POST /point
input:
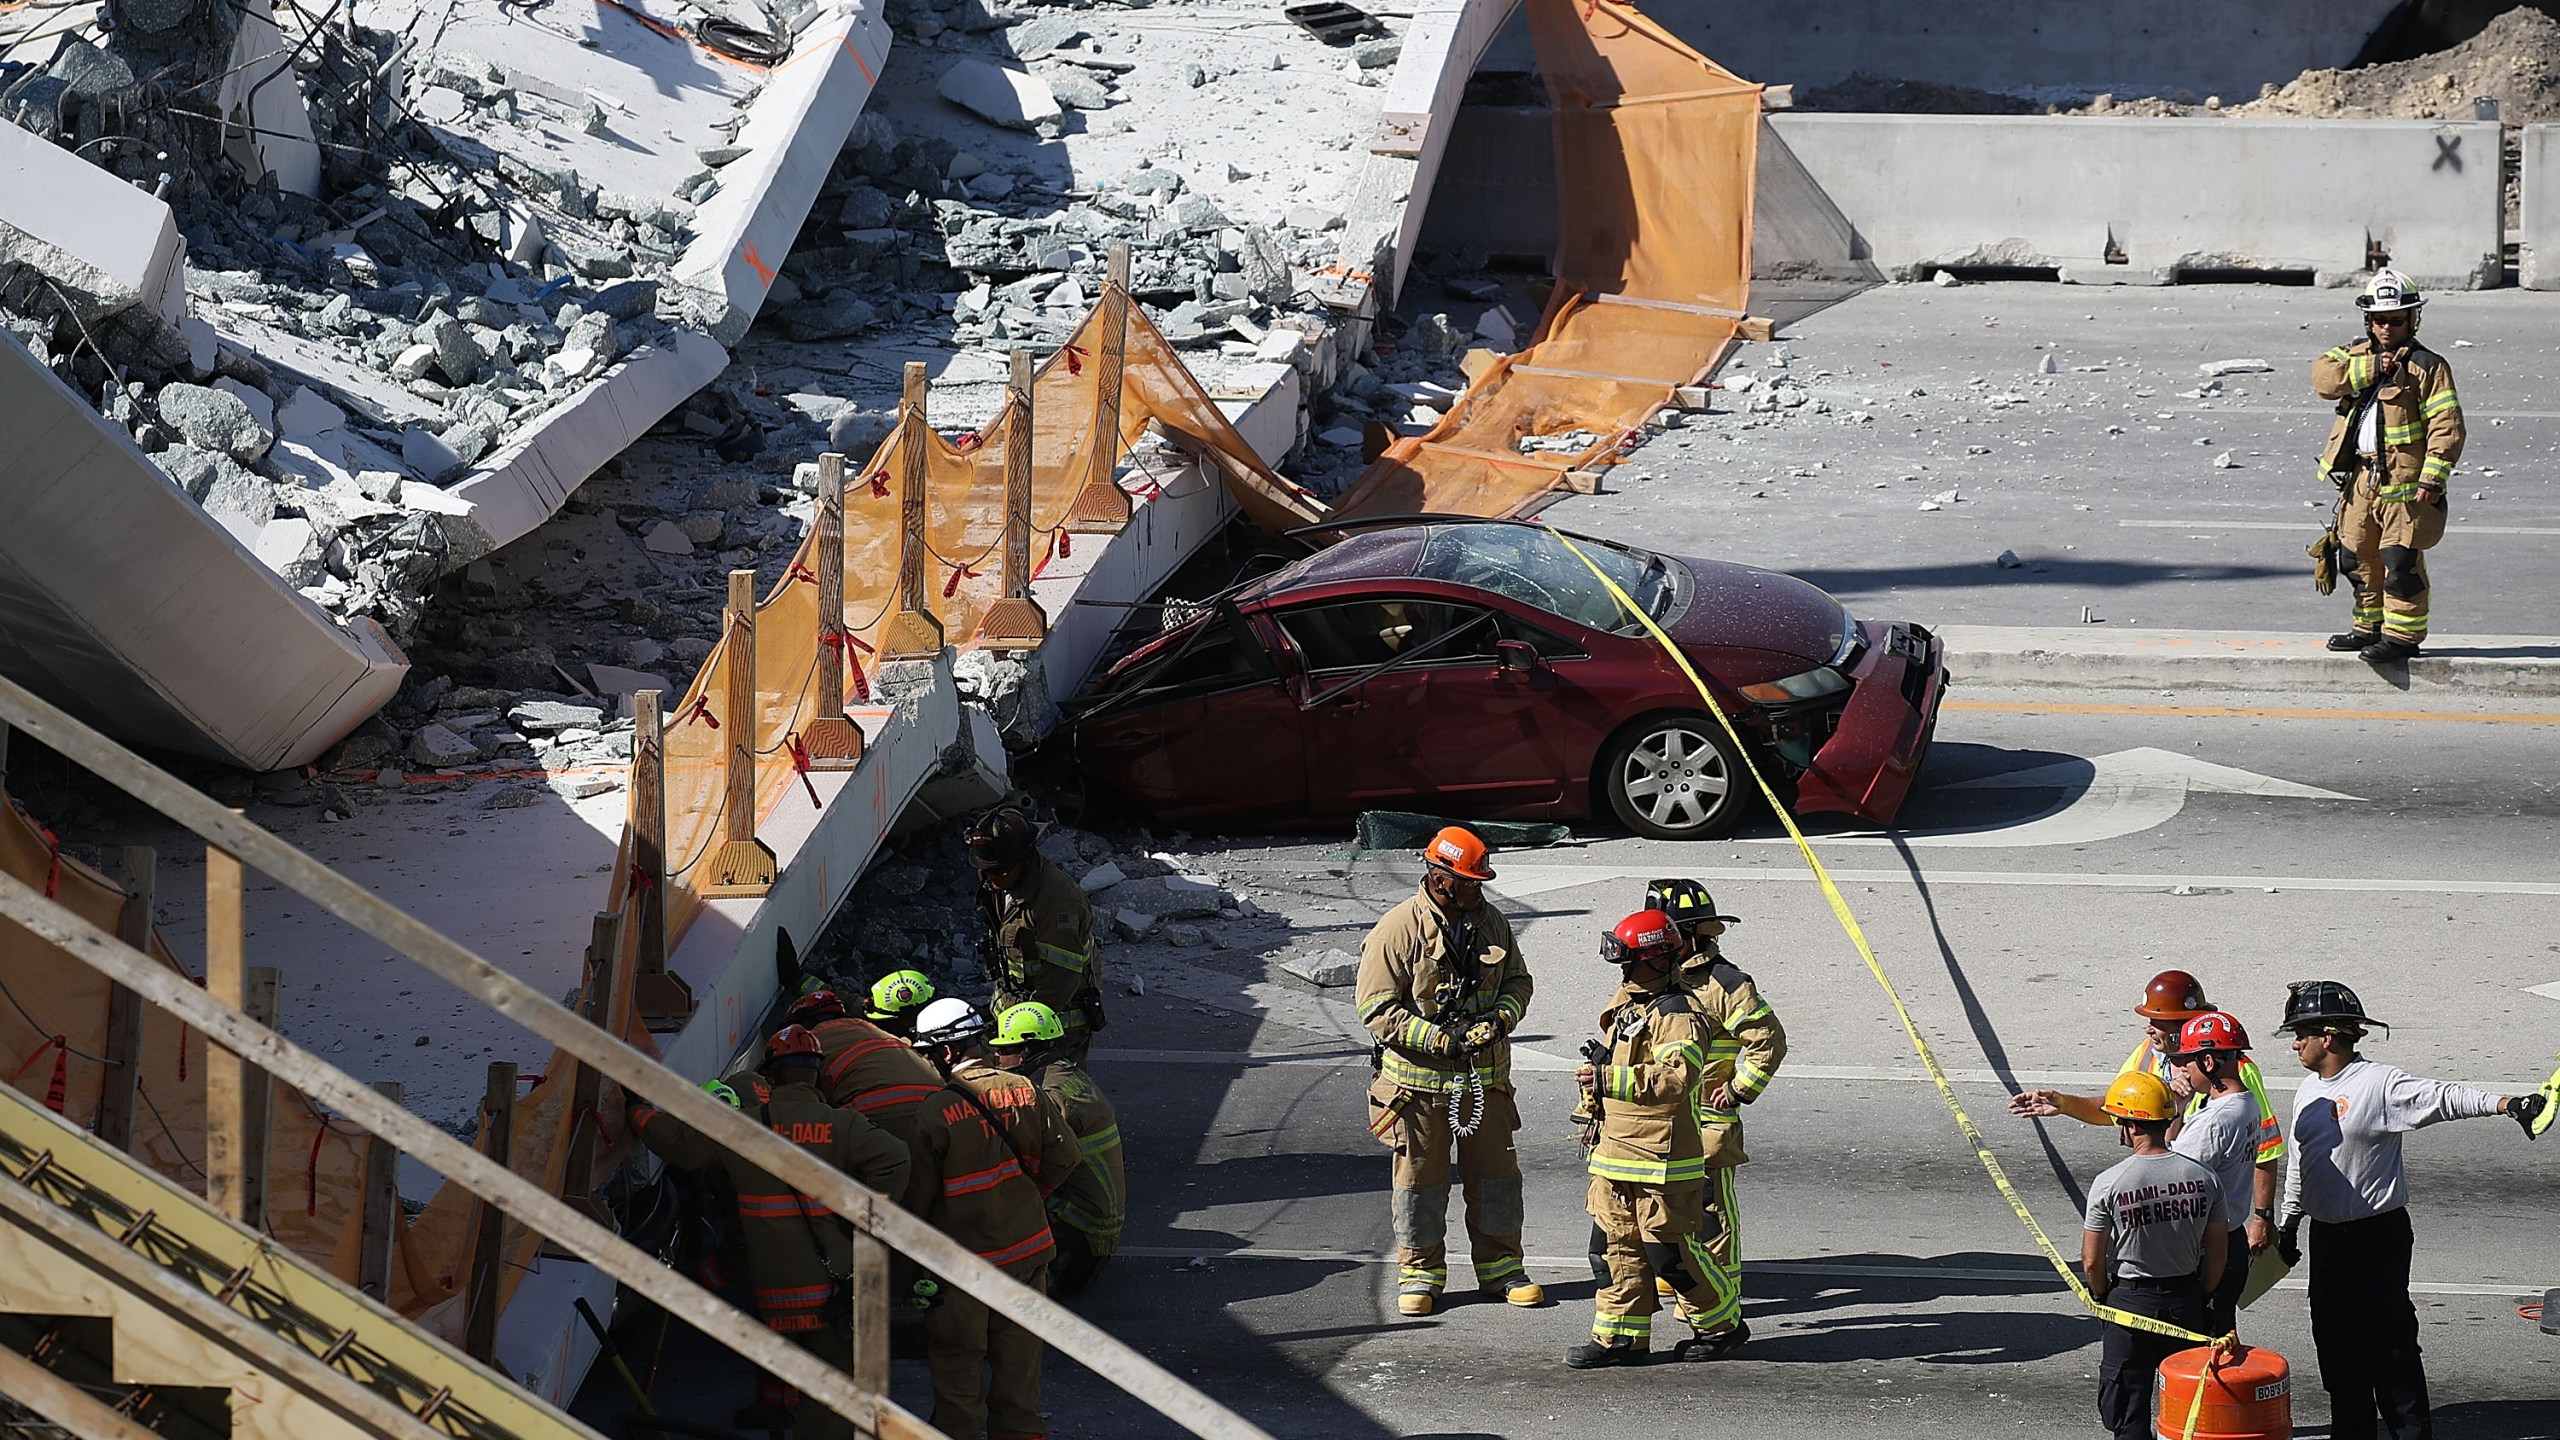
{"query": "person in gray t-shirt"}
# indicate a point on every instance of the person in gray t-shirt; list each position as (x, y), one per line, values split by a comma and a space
(2225, 1136)
(2153, 1243)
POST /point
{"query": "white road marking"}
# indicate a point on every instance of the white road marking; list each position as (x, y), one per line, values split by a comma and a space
(1524, 878)
(1578, 1264)
(2547, 992)
(2456, 528)
(2091, 1081)
(2106, 797)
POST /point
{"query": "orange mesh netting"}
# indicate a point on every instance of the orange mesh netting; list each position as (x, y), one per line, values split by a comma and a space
(1654, 148)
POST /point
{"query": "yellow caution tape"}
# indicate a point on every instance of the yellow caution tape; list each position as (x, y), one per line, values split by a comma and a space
(1858, 937)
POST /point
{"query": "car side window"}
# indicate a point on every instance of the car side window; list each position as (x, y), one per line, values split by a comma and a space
(1363, 634)
(1223, 656)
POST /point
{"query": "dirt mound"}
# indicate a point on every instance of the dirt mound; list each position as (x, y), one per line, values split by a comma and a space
(2515, 61)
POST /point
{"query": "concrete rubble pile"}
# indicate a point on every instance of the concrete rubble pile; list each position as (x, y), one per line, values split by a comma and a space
(916, 908)
(359, 333)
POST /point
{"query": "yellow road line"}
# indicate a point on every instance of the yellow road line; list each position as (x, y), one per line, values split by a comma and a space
(2241, 712)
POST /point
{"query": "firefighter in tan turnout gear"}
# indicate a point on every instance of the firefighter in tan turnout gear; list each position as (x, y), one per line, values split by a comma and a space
(864, 1067)
(2391, 454)
(1041, 926)
(1087, 1212)
(989, 1150)
(799, 1255)
(1648, 1165)
(1442, 985)
(1745, 1045)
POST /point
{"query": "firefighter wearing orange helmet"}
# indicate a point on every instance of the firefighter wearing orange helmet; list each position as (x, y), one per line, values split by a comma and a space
(1442, 985)
(2173, 998)
(2152, 1244)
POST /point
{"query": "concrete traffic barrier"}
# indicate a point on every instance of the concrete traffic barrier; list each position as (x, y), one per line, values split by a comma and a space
(2101, 200)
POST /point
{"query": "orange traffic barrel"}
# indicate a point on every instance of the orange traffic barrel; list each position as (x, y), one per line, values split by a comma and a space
(2248, 1396)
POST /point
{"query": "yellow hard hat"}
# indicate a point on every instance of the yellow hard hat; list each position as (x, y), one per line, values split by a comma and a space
(2137, 1096)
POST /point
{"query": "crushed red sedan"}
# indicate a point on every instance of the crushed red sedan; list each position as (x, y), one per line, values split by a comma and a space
(1477, 668)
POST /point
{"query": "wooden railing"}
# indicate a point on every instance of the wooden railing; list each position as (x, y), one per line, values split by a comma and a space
(858, 1393)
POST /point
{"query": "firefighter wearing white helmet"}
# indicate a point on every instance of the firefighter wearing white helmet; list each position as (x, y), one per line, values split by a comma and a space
(2391, 453)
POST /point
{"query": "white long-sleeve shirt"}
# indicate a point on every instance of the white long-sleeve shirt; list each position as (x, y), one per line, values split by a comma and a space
(2344, 1162)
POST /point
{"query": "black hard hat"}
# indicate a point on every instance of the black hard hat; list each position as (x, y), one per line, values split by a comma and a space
(2313, 1004)
(1001, 837)
(1686, 902)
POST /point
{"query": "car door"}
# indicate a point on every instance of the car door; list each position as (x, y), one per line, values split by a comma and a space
(1363, 702)
(1205, 731)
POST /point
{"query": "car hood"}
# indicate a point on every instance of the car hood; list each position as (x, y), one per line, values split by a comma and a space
(1742, 607)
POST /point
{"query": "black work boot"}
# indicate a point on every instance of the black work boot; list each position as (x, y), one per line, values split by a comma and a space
(1592, 1355)
(2387, 651)
(1714, 1346)
(2354, 639)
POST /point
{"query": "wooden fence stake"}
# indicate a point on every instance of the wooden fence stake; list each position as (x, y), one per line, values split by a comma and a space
(382, 1216)
(913, 633)
(488, 1246)
(121, 1087)
(1102, 507)
(227, 1182)
(661, 998)
(586, 1094)
(743, 868)
(1016, 621)
(832, 741)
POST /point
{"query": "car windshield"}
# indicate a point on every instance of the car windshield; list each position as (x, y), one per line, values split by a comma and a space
(1529, 564)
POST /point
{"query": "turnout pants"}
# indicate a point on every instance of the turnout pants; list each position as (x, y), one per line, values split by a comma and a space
(2386, 544)
(1720, 1237)
(2366, 1330)
(1640, 1233)
(832, 1343)
(2129, 1360)
(1415, 1126)
(986, 1369)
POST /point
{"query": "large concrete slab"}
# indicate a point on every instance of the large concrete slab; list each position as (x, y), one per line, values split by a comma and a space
(106, 243)
(2097, 657)
(124, 603)
(2136, 201)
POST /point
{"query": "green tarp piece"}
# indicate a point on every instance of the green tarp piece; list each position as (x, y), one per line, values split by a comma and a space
(1405, 830)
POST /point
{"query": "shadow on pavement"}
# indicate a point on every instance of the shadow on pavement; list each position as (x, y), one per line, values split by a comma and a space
(2046, 571)
(1777, 1291)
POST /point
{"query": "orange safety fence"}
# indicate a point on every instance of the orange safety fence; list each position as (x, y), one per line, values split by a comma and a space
(1654, 148)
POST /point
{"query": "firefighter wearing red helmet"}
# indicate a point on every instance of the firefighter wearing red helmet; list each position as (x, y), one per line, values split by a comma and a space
(2221, 1134)
(1442, 984)
(864, 1067)
(799, 1255)
(1648, 1165)
(1745, 1046)
(2173, 998)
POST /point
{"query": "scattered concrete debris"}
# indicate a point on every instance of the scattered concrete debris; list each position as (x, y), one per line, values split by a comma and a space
(1330, 969)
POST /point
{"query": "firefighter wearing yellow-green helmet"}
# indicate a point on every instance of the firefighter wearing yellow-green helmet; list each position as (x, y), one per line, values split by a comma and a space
(1087, 1212)
(895, 999)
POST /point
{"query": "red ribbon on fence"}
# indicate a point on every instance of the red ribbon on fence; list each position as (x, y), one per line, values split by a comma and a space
(1075, 358)
(959, 573)
(800, 763)
(880, 484)
(701, 711)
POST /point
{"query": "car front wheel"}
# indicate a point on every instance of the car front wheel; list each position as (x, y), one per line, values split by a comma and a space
(1677, 777)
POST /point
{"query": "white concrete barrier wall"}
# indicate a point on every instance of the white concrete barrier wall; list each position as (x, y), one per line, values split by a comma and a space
(1922, 193)
(2538, 210)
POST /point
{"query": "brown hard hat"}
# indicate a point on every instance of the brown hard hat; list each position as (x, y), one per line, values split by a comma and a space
(2173, 995)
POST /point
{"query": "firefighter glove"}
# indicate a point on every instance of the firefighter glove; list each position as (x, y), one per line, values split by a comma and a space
(2524, 1108)
(2324, 562)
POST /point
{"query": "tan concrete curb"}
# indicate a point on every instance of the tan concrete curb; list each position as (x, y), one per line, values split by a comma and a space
(2098, 658)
